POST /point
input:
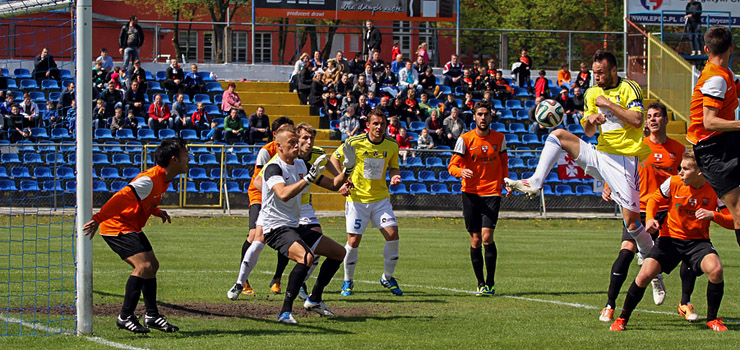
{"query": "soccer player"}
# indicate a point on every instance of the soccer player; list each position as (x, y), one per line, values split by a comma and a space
(663, 162)
(481, 160)
(369, 201)
(614, 109)
(284, 179)
(686, 240)
(713, 131)
(121, 221)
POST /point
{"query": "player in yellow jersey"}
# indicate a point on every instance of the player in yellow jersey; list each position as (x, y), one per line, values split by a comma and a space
(614, 109)
(369, 200)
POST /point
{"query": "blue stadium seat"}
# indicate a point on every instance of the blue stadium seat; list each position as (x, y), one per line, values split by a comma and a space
(130, 173)
(197, 98)
(532, 163)
(414, 162)
(25, 146)
(99, 186)
(51, 186)
(563, 190)
(70, 186)
(207, 159)
(100, 159)
(161, 75)
(54, 96)
(218, 99)
(109, 173)
(511, 139)
(417, 126)
(125, 134)
(116, 186)
(167, 134)
(529, 104)
(585, 190)
(497, 104)
(445, 176)
(435, 162)
(188, 135)
(17, 95)
(197, 174)
(334, 125)
(439, 189)
(506, 115)
(42, 172)
(592, 140)
(3, 172)
(407, 176)
(552, 177)
(12, 84)
(575, 129)
(154, 86)
(208, 187)
(190, 187)
(50, 85)
(21, 73)
(20, 172)
(232, 187)
(7, 185)
(521, 92)
(103, 134)
(499, 127)
(513, 105)
(446, 148)
(427, 176)
(215, 174)
(547, 190)
(446, 90)
(38, 97)
(516, 163)
(65, 74)
(149, 76)
(4, 72)
(522, 152)
(249, 159)
(240, 174)
(40, 133)
(29, 84)
(522, 114)
(189, 107)
(112, 147)
(397, 189)
(59, 134)
(418, 188)
(147, 135)
(529, 139)
(32, 158)
(65, 173)
(232, 159)
(30, 186)
(133, 147)
(214, 87)
(10, 158)
(206, 76)
(512, 175)
(213, 111)
(171, 188)
(517, 128)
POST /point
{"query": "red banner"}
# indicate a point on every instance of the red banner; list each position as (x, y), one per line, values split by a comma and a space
(569, 169)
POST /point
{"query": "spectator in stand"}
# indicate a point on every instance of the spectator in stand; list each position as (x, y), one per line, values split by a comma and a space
(5, 107)
(419, 66)
(70, 119)
(134, 100)
(383, 105)
(567, 103)
(394, 125)
(411, 111)
(453, 72)
(44, 67)
(454, 126)
(259, 126)
(342, 63)
(578, 105)
(348, 100)
(377, 65)
(373, 39)
(297, 68)
(428, 83)
(501, 87)
(423, 52)
(541, 86)
(65, 100)
(349, 124)
(361, 88)
(305, 79)
(98, 76)
(482, 82)
(449, 105)
(356, 66)
(524, 70)
(331, 105)
(318, 62)
(174, 76)
(468, 108)
(129, 41)
(15, 125)
(396, 109)
(564, 76)
(30, 111)
(468, 81)
(583, 80)
(50, 116)
(363, 109)
(343, 87)
(332, 73)
(404, 144)
(231, 100)
(534, 126)
(193, 82)
(491, 67)
(395, 51)
(121, 122)
(199, 118)
(181, 119)
(424, 106)
(99, 119)
(435, 127)
(233, 127)
(693, 26)
(408, 78)
(113, 99)
(116, 78)
(106, 60)
(215, 132)
(388, 80)
(315, 99)
(159, 115)
(397, 64)
(139, 75)
(475, 70)
(425, 141)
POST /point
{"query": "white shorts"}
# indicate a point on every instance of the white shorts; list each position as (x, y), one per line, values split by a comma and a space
(379, 213)
(619, 172)
(308, 215)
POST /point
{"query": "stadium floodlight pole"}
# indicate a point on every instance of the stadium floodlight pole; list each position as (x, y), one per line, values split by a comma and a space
(84, 165)
(625, 26)
(457, 30)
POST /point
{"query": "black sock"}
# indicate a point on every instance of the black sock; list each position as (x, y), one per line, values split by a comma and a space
(326, 273)
(491, 255)
(149, 292)
(295, 280)
(476, 256)
(715, 291)
(688, 279)
(131, 298)
(245, 246)
(737, 235)
(634, 295)
(618, 274)
(282, 263)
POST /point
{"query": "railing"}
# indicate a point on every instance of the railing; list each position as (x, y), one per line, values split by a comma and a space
(670, 78)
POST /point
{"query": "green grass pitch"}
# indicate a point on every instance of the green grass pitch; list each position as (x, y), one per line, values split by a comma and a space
(551, 284)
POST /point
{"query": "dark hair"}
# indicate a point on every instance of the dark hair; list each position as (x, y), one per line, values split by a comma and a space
(482, 104)
(280, 121)
(103, 50)
(601, 55)
(133, 17)
(232, 85)
(659, 106)
(542, 72)
(718, 39)
(376, 112)
(167, 149)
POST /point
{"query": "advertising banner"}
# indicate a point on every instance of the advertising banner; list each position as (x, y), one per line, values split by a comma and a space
(392, 10)
(648, 11)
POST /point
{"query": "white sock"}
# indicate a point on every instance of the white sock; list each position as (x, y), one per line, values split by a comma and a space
(313, 267)
(350, 262)
(642, 238)
(549, 156)
(250, 259)
(390, 258)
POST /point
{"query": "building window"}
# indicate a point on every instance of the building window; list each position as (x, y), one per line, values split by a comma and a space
(239, 46)
(208, 47)
(402, 34)
(262, 47)
(189, 45)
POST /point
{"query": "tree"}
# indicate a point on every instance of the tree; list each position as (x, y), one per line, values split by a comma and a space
(218, 11)
(176, 8)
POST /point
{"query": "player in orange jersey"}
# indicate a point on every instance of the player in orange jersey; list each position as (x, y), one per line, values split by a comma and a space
(121, 221)
(686, 240)
(713, 131)
(480, 158)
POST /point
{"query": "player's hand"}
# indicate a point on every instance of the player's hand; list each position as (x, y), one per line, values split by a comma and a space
(466, 173)
(90, 228)
(596, 119)
(703, 214)
(349, 161)
(653, 225)
(344, 190)
(164, 216)
(395, 180)
(318, 166)
(602, 101)
(606, 194)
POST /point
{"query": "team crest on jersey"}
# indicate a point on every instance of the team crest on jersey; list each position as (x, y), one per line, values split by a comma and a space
(657, 156)
(673, 155)
(484, 149)
(692, 201)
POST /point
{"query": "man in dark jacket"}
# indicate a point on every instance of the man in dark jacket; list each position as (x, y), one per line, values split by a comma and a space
(693, 26)
(174, 77)
(259, 126)
(372, 40)
(44, 67)
(129, 42)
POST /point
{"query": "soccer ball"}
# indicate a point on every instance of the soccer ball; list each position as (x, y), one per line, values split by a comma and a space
(549, 113)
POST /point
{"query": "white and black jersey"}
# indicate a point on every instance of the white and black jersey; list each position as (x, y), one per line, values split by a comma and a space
(275, 212)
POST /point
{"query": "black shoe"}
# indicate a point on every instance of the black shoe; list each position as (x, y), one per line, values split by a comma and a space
(131, 324)
(160, 323)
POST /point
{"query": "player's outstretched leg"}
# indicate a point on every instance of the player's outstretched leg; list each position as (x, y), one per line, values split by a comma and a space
(619, 271)
(250, 260)
(688, 280)
(559, 140)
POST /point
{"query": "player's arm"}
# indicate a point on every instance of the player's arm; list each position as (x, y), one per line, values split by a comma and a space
(504, 156)
(630, 116)
(591, 116)
(713, 122)
(720, 216)
(714, 90)
(334, 183)
(394, 170)
(456, 167)
(275, 181)
(125, 198)
(660, 197)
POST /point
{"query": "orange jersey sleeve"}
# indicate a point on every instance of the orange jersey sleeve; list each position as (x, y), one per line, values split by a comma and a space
(663, 162)
(263, 156)
(484, 156)
(717, 88)
(724, 219)
(685, 201)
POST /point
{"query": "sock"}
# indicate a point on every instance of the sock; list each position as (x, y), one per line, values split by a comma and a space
(149, 292)
(390, 258)
(350, 262)
(634, 295)
(549, 156)
(316, 261)
(294, 284)
(249, 261)
(476, 257)
(491, 255)
(619, 273)
(715, 291)
(688, 279)
(642, 239)
(131, 298)
(282, 263)
(326, 273)
(245, 247)
(737, 235)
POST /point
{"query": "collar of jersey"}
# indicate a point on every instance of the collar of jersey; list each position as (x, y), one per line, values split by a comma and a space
(619, 81)
(371, 141)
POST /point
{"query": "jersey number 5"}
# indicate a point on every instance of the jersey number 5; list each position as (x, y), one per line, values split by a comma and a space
(358, 224)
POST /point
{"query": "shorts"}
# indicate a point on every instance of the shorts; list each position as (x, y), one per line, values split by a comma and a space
(308, 215)
(660, 216)
(619, 172)
(379, 213)
(128, 244)
(480, 212)
(670, 251)
(254, 213)
(719, 160)
(283, 237)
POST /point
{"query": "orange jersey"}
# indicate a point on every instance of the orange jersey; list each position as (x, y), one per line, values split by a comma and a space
(663, 162)
(486, 156)
(717, 87)
(265, 154)
(130, 208)
(563, 77)
(684, 201)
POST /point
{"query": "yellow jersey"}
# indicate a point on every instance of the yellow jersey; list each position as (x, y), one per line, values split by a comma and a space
(615, 136)
(373, 160)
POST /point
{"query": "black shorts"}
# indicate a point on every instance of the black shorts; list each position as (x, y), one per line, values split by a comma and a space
(128, 244)
(480, 212)
(660, 216)
(719, 160)
(311, 226)
(254, 214)
(283, 237)
(670, 251)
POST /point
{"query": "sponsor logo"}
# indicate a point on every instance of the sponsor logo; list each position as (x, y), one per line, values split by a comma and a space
(692, 201)
(677, 197)
(484, 149)
(635, 103)
(651, 5)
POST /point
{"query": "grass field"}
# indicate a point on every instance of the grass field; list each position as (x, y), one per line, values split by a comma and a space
(551, 284)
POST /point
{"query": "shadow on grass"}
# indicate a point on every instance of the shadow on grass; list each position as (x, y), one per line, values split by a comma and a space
(530, 294)
(380, 318)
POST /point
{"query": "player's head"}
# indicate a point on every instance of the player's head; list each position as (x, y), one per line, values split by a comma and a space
(306, 137)
(277, 123)
(690, 173)
(172, 154)
(287, 142)
(605, 68)
(718, 41)
(657, 118)
(376, 125)
(482, 115)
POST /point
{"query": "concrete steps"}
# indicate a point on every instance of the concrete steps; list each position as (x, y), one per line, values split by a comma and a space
(278, 109)
(269, 98)
(254, 86)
